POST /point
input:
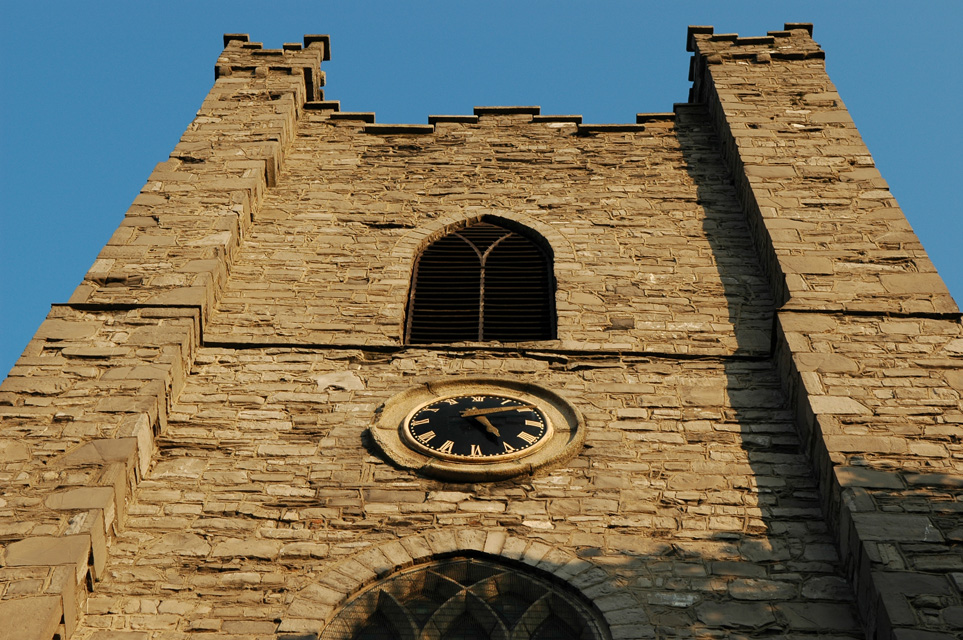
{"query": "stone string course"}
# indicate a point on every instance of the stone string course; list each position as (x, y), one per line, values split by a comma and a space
(769, 367)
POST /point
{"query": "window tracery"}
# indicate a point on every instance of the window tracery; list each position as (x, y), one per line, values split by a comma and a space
(483, 282)
(462, 598)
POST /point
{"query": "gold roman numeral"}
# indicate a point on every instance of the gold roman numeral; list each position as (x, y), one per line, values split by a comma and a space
(451, 401)
(415, 423)
(508, 448)
(478, 398)
(426, 436)
(475, 450)
(532, 423)
(527, 437)
(446, 448)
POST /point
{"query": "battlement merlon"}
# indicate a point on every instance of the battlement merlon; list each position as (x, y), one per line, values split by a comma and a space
(794, 42)
(240, 55)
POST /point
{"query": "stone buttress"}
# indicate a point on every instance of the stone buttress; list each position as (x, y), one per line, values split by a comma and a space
(868, 338)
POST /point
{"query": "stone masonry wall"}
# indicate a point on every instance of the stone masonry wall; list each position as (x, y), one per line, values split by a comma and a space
(831, 232)
(79, 412)
(690, 509)
(650, 245)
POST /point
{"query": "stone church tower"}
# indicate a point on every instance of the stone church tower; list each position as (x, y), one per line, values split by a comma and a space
(502, 375)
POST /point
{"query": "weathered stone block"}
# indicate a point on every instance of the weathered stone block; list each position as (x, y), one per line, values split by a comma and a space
(922, 634)
(50, 551)
(35, 618)
(345, 380)
(63, 582)
(181, 544)
(807, 265)
(13, 451)
(914, 283)
(839, 405)
(735, 615)
(35, 385)
(265, 549)
(864, 477)
(896, 527)
(183, 297)
(945, 480)
(825, 363)
(878, 444)
(821, 617)
(83, 498)
(58, 329)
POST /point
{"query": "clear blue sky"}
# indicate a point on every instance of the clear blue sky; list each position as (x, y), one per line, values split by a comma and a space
(93, 95)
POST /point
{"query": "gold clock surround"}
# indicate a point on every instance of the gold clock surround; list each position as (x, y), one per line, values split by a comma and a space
(566, 431)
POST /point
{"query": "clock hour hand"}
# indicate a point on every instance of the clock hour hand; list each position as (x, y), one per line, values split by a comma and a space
(471, 413)
(489, 427)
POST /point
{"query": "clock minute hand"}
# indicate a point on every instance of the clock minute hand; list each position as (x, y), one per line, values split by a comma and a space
(468, 413)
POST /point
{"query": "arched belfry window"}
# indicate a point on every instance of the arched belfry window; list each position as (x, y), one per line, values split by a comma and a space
(466, 598)
(482, 282)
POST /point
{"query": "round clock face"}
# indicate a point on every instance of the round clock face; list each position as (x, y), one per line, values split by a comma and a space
(477, 428)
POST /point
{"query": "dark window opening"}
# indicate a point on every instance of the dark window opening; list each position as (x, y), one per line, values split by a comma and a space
(466, 599)
(483, 282)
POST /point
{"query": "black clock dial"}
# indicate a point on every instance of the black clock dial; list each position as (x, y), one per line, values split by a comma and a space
(477, 428)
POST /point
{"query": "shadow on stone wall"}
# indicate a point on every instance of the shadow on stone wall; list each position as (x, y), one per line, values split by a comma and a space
(791, 562)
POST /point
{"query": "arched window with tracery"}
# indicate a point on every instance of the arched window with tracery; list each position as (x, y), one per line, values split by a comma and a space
(467, 598)
(483, 282)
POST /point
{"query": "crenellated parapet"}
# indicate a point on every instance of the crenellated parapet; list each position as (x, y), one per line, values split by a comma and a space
(244, 57)
(793, 43)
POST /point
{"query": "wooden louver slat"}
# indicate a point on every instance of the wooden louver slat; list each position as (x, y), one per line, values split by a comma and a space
(483, 282)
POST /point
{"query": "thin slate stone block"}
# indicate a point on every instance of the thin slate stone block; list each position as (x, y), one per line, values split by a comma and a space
(896, 527)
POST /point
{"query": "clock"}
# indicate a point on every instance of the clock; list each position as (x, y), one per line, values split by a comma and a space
(477, 429)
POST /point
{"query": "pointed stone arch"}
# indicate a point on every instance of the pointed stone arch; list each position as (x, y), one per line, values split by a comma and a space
(316, 605)
(396, 277)
(489, 281)
(412, 243)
